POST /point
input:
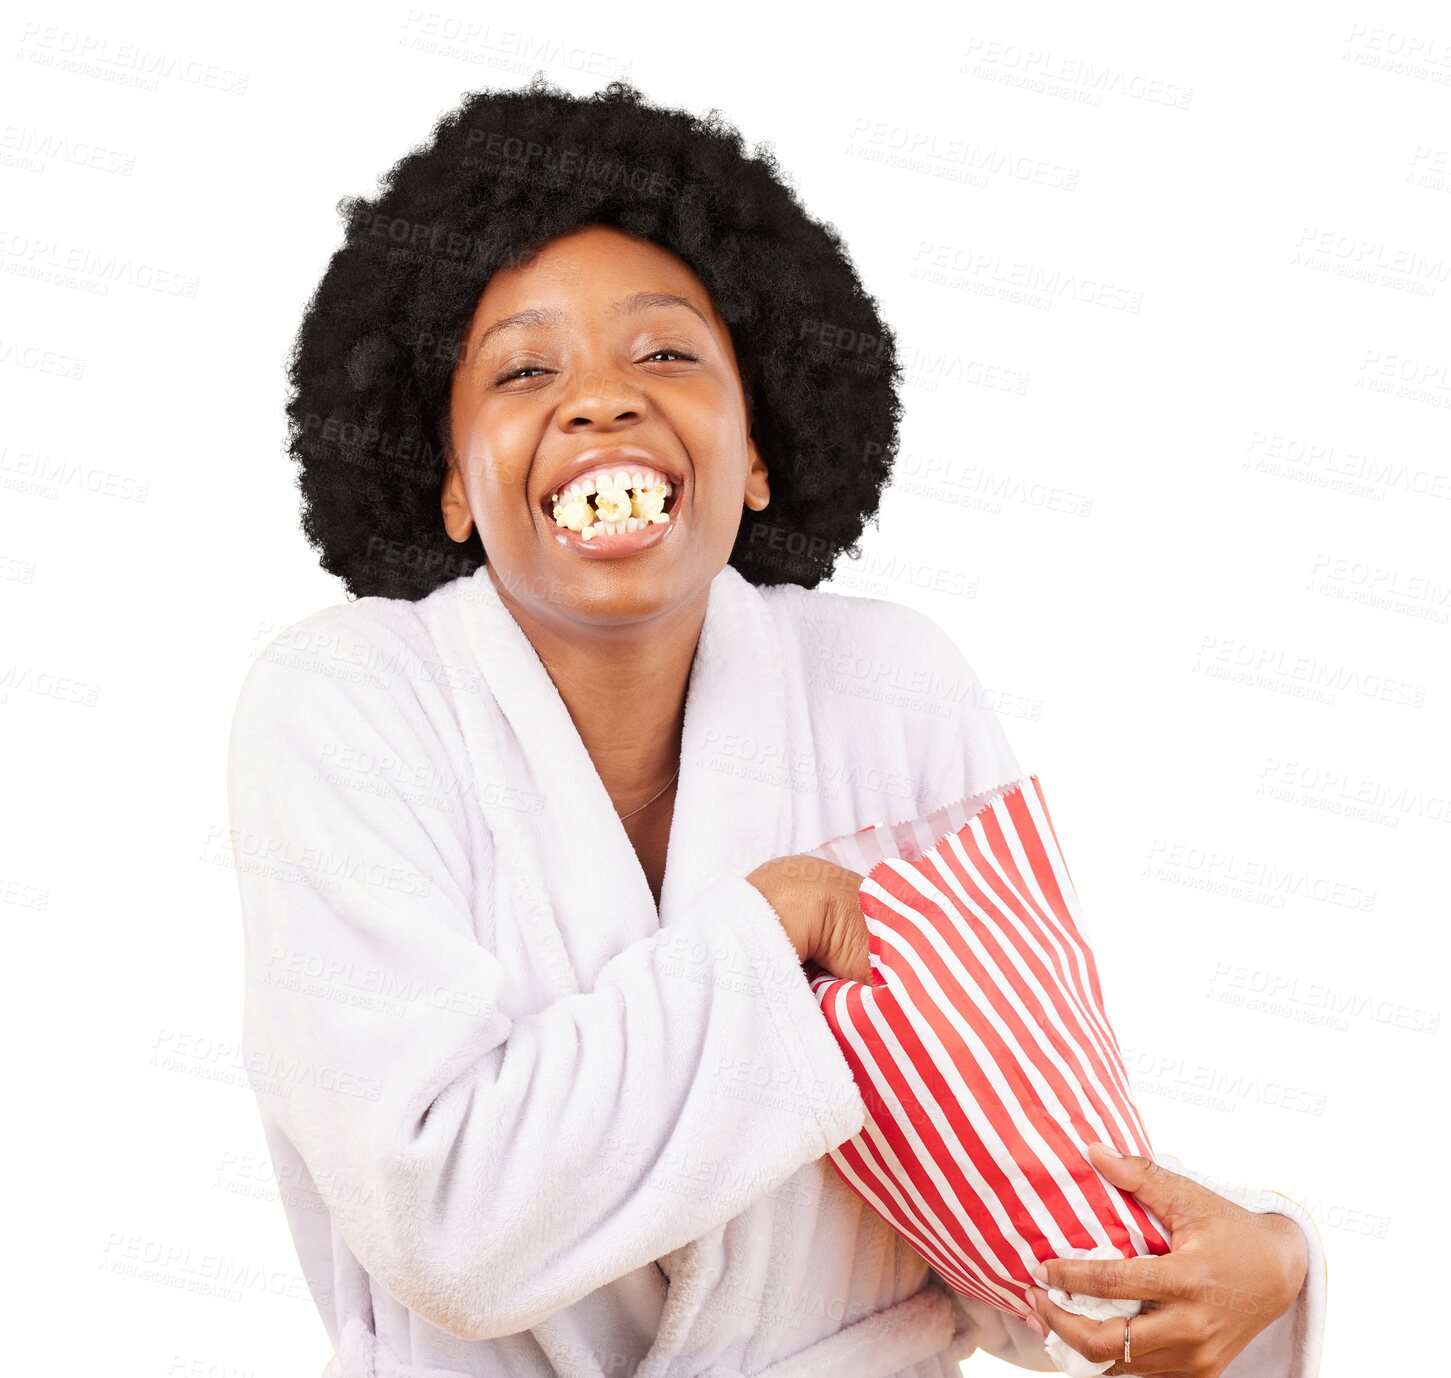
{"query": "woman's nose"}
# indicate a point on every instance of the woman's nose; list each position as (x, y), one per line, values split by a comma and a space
(600, 397)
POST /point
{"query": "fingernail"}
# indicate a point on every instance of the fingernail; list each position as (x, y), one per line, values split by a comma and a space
(1110, 1150)
(1038, 1326)
(1040, 1275)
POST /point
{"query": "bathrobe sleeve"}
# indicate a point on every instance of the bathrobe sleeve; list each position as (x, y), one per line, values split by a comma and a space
(490, 1168)
(976, 756)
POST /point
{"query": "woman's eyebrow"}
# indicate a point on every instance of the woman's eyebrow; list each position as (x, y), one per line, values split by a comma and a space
(650, 301)
(542, 315)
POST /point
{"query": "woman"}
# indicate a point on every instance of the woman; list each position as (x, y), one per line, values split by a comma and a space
(585, 407)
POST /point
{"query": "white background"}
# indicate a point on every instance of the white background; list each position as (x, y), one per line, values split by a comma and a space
(1200, 559)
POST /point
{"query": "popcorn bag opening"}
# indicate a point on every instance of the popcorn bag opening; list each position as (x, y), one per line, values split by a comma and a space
(984, 1054)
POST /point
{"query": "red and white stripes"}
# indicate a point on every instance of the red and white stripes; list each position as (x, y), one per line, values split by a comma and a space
(982, 1049)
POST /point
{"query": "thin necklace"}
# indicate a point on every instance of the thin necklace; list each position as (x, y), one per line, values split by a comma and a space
(652, 798)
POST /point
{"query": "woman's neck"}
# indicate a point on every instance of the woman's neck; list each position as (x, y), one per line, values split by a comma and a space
(624, 687)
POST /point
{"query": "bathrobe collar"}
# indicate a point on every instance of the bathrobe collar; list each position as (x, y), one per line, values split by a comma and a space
(731, 811)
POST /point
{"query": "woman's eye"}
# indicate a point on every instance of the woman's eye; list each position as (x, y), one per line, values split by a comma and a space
(518, 373)
(528, 369)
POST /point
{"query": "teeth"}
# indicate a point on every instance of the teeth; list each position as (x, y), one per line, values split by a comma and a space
(616, 478)
(624, 500)
(614, 528)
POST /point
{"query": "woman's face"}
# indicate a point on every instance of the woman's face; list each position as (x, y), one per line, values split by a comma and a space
(602, 356)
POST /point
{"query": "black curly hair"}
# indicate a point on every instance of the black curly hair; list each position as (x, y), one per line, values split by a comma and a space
(504, 174)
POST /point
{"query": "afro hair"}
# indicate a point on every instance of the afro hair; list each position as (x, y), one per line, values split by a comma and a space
(509, 170)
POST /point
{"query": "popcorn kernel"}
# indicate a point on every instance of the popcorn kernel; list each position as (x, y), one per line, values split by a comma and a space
(644, 503)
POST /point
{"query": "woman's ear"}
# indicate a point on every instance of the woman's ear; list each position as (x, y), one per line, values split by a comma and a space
(758, 482)
(458, 521)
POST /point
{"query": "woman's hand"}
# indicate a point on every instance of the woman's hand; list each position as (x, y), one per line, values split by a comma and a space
(1230, 1273)
(816, 902)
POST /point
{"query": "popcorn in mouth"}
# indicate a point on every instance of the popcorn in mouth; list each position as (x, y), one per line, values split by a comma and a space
(611, 502)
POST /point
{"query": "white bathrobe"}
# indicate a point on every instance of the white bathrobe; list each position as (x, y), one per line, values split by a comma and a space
(523, 1123)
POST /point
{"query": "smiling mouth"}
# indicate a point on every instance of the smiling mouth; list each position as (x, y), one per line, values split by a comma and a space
(607, 507)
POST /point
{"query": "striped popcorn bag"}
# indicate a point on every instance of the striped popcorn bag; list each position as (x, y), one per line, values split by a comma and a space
(985, 1056)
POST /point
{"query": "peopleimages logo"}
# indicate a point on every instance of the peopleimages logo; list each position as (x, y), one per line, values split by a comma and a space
(1272, 667)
